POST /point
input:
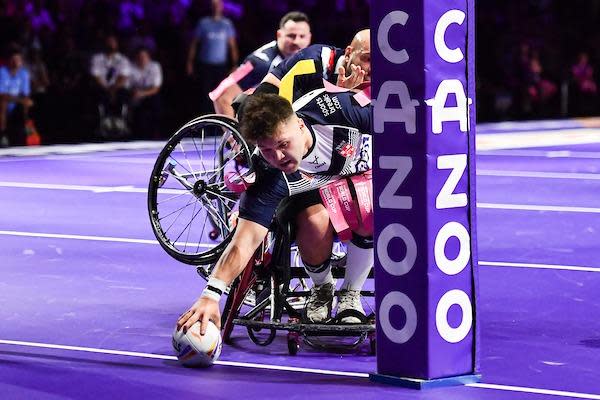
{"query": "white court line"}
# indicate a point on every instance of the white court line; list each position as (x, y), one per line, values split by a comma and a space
(550, 392)
(562, 137)
(173, 358)
(53, 186)
(106, 159)
(533, 207)
(534, 174)
(291, 369)
(80, 148)
(131, 189)
(538, 266)
(95, 238)
(541, 153)
(89, 188)
(205, 245)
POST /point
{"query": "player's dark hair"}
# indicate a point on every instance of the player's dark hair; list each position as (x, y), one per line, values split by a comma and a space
(262, 115)
(295, 16)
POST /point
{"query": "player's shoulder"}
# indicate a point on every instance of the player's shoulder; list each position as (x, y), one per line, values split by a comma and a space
(322, 106)
(265, 53)
(316, 51)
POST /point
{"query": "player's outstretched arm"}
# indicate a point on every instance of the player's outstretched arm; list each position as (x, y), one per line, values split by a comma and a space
(222, 103)
(247, 237)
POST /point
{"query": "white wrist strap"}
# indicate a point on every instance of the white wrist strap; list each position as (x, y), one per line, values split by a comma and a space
(214, 289)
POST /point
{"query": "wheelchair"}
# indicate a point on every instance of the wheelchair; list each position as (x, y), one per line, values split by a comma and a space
(192, 212)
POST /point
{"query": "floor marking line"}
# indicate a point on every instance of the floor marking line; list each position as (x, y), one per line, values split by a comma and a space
(129, 189)
(206, 245)
(536, 174)
(289, 369)
(538, 266)
(550, 392)
(95, 238)
(541, 153)
(97, 189)
(173, 358)
(533, 207)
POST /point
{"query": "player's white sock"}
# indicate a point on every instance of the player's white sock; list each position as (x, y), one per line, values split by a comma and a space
(359, 262)
(320, 274)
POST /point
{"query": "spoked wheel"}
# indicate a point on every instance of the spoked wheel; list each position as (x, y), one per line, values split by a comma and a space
(188, 201)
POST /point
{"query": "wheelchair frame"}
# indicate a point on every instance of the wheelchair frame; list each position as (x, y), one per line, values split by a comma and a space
(268, 274)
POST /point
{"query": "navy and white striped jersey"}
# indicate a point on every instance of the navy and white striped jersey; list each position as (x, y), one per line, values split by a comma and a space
(341, 130)
(326, 61)
(263, 59)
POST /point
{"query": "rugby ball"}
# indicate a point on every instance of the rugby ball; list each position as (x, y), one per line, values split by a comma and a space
(195, 350)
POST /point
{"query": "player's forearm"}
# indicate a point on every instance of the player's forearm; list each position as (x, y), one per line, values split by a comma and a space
(232, 262)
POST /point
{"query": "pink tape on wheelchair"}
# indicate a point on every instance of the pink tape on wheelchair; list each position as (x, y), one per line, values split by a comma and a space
(363, 186)
(233, 177)
(344, 212)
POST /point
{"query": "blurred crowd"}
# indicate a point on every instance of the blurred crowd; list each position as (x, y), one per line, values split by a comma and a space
(537, 59)
(112, 69)
(82, 70)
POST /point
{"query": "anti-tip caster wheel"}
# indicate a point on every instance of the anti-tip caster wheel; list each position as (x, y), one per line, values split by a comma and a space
(213, 235)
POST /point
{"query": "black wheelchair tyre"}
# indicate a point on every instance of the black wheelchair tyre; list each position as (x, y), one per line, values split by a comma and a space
(197, 196)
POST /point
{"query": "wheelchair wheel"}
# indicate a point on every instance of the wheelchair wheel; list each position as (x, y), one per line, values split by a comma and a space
(188, 202)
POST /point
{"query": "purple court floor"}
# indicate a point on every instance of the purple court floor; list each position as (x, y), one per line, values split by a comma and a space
(88, 299)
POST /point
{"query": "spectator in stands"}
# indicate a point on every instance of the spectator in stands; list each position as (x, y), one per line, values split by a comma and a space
(15, 100)
(145, 80)
(541, 91)
(212, 52)
(110, 70)
(292, 36)
(584, 93)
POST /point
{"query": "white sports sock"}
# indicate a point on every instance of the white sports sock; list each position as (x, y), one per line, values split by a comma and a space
(318, 278)
(359, 262)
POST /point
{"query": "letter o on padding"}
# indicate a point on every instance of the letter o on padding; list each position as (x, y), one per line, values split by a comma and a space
(396, 268)
(448, 333)
(452, 267)
(410, 326)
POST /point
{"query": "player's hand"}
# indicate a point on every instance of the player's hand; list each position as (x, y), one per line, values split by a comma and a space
(356, 77)
(203, 310)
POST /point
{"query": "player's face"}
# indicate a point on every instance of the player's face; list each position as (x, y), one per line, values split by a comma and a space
(293, 37)
(15, 61)
(362, 58)
(285, 149)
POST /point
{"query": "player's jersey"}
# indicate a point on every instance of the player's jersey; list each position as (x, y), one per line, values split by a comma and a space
(252, 71)
(263, 60)
(310, 66)
(341, 147)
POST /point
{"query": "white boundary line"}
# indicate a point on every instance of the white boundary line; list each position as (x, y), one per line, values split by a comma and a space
(95, 189)
(206, 245)
(81, 148)
(521, 389)
(131, 189)
(95, 238)
(536, 174)
(533, 207)
(541, 153)
(173, 358)
(538, 266)
(560, 393)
